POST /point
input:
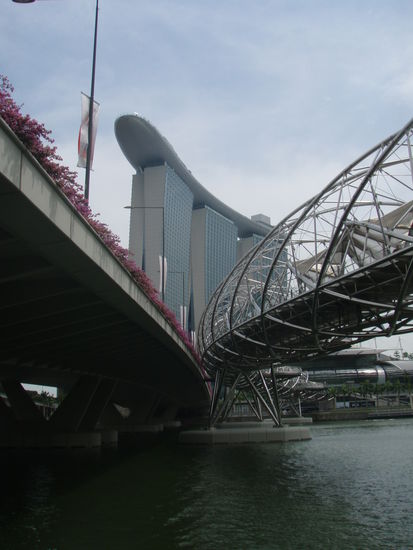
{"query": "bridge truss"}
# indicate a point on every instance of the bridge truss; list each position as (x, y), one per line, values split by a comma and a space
(338, 270)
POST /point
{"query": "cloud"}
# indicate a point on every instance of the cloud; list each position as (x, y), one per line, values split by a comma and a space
(264, 102)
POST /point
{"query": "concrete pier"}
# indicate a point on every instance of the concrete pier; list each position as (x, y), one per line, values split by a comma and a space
(242, 434)
(268, 422)
(297, 421)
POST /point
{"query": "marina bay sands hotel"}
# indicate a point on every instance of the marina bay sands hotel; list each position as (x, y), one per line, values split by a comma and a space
(175, 218)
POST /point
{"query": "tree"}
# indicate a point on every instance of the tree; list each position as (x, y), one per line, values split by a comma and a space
(345, 391)
(387, 387)
(364, 387)
(332, 393)
(378, 389)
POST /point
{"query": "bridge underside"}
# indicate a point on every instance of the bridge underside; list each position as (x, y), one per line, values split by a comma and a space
(70, 312)
(350, 309)
(54, 328)
(337, 271)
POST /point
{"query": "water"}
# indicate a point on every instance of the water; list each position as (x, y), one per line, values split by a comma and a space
(350, 487)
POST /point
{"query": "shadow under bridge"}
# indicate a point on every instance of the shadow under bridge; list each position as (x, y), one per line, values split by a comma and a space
(73, 317)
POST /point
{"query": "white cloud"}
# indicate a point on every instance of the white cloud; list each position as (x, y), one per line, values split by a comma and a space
(273, 97)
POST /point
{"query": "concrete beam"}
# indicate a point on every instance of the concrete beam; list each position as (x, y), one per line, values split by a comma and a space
(144, 409)
(7, 419)
(239, 434)
(98, 404)
(21, 403)
(73, 409)
(151, 355)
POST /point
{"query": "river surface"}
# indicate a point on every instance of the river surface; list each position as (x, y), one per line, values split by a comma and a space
(350, 487)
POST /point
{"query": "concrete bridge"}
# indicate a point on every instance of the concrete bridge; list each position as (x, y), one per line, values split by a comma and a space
(73, 317)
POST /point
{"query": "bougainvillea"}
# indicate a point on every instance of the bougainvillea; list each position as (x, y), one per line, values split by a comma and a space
(37, 139)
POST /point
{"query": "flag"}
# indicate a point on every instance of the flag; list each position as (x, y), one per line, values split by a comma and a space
(84, 129)
(161, 269)
(182, 313)
(191, 313)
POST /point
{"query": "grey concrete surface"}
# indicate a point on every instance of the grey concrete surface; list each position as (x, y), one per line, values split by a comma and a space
(231, 436)
(72, 308)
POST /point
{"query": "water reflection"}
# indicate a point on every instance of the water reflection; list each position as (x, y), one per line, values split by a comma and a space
(351, 486)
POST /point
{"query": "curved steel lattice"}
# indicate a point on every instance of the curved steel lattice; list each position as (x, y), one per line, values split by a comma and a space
(336, 271)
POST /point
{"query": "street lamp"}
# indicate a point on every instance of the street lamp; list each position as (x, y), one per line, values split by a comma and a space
(163, 240)
(91, 99)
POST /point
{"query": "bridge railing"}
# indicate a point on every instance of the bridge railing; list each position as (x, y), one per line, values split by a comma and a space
(27, 137)
(313, 284)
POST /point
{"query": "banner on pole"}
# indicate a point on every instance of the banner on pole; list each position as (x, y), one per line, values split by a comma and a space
(163, 269)
(84, 130)
(182, 313)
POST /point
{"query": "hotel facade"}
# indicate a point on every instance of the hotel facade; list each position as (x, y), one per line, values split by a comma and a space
(184, 238)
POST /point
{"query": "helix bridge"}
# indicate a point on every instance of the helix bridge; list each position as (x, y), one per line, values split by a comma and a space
(335, 272)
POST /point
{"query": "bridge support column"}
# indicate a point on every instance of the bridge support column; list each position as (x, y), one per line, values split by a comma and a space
(222, 412)
(255, 407)
(73, 424)
(82, 409)
(142, 418)
(265, 398)
(166, 414)
(263, 389)
(264, 394)
(92, 418)
(70, 413)
(216, 392)
(7, 419)
(24, 410)
(144, 409)
(97, 405)
(111, 417)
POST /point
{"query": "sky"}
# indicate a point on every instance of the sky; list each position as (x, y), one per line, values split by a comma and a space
(265, 101)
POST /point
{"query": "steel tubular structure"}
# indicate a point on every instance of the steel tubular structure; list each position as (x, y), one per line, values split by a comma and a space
(338, 270)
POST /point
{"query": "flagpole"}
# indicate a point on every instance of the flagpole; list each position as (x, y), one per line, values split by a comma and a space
(91, 102)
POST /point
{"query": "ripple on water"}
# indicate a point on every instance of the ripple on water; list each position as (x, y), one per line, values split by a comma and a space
(351, 486)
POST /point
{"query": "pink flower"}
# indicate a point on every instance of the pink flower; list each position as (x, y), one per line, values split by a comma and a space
(39, 142)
